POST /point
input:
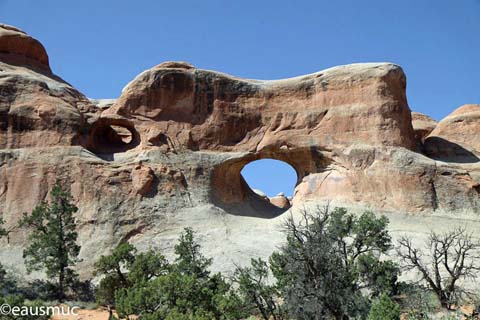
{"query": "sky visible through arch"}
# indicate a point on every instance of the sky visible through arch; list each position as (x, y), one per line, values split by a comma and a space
(270, 176)
(99, 46)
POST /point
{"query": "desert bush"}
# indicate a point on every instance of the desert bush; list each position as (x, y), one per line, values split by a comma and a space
(384, 308)
(148, 286)
(113, 269)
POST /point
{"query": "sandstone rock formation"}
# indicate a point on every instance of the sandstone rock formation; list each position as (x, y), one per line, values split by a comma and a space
(18, 48)
(280, 201)
(455, 138)
(423, 125)
(169, 151)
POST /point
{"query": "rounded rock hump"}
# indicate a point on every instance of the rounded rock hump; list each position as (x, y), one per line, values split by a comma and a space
(455, 138)
(175, 65)
(18, 48)
(359, 104)
(38, 108)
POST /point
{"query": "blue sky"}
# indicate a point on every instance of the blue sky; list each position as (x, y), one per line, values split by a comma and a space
(99, 46)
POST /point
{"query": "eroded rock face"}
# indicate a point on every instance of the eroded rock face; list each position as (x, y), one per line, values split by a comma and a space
(17, 47)
(37, 108)
(423, 125)
(169, 151)
(204, 110)
(456, 138)
(280, 201)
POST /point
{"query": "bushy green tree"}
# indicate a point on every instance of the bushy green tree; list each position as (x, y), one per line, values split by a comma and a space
(255, 290)
(52, 243)
(330, 266)
(384, 308)
(113, 268)
(148, 286)
(189, 259)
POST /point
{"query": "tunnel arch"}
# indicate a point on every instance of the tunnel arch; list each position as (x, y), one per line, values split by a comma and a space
(232, 193)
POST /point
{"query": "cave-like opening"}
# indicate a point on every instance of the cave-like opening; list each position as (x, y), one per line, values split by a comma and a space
(109, 137)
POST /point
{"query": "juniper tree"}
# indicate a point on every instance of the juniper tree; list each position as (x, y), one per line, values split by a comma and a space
(330, 266)
(185, 289)
(52, 243)
(256, 291)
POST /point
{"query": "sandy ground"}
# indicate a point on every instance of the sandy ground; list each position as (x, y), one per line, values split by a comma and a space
(96, 314)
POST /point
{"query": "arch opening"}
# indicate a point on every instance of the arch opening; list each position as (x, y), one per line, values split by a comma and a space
(271, 179)
(232, 192)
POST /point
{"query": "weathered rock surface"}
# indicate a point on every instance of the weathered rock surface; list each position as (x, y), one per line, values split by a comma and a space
(456, 138)
(37, 108)
(169, 151)
(17, 47)
(423, 125)
(280, 201)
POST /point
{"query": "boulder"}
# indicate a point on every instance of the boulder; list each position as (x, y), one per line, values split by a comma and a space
(280, 201)
(142, 179)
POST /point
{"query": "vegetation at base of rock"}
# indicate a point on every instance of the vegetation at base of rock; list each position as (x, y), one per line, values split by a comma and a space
(9, 292)
(153, 288)
(384, 308)
(52, 243)
(333, 265)
(254, 289)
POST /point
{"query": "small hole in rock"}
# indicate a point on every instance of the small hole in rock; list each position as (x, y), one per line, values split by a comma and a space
(112, 138)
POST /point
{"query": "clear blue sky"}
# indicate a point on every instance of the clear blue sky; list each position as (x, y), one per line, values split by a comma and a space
(99, 46)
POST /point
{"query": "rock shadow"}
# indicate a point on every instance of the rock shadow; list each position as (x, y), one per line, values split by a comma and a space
(110, 136)
(443, 150)
(252, 205)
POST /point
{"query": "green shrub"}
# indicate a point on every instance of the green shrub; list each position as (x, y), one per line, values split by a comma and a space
(384, 308)
(256, 292)
(147, 285)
